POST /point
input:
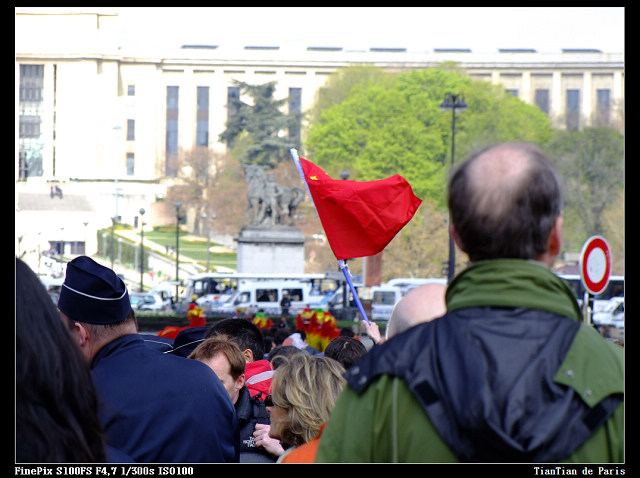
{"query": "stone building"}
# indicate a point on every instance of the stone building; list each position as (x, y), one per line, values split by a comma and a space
(106, 123)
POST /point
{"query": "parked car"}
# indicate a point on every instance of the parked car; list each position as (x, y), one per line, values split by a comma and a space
(265, 295)
(611, 314)
(145, 301)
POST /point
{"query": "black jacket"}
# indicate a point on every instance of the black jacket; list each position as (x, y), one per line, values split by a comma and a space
(250, 411)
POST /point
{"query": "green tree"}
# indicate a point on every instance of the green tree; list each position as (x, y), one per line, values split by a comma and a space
(591, 163)
(395, 125)
(613, 219)
(420, 248)
(342, 83)
(259, 131)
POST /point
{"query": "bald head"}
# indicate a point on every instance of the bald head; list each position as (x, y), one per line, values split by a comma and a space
(504, 202)
(495, 177)
(421, 304)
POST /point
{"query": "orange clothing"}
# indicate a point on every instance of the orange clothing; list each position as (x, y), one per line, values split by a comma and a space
(304, 453)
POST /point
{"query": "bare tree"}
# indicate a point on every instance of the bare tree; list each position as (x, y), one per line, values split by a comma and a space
(200, 182)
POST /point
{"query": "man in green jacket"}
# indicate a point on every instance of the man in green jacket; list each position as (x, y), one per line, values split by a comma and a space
(510, 373)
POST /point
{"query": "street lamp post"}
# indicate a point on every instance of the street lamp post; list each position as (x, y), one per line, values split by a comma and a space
(206, 219)
(112, 244)
(177, 204)
(452, 103)
(141, 248)
(61, 248)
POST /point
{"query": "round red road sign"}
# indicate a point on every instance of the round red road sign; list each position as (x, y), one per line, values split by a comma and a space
(595, 265)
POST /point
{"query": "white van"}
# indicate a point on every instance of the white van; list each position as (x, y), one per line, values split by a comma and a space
(265, 296)
(386, 296)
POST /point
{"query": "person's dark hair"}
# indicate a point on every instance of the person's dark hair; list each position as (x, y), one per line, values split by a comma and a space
(281, 354)
(280, 336)
(242, 332)
(269, 344)
(346, 350)
(102, 332)
(346, 331)
(56, 402)
(512, 219)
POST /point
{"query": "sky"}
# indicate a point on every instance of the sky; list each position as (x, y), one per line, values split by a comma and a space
(481, 29)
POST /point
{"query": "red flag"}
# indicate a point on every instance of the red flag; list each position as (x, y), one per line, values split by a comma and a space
(360, 217)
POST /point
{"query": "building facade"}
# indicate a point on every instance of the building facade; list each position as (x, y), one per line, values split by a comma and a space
(92, 115)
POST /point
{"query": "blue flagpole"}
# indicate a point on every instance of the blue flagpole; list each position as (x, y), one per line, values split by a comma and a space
(296, 160)
(341, 263)
(347, 276)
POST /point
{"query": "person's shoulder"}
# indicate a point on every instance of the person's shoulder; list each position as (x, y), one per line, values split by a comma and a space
(178, 366)
(593, 366)
(394, 357)
(303, 454)
(590, 345)
(258, 366)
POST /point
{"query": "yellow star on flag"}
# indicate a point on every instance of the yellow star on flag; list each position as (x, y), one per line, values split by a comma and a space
(313, 178)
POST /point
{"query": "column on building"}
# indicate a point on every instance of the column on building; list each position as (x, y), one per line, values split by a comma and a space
(586, 107)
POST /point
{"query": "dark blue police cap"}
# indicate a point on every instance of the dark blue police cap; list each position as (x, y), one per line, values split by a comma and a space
(93, 294)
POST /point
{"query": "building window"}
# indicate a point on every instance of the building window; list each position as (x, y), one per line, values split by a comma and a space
(31, 82)
(171, 147)
(573, 110)
(202, 117)
(130, 164)
(295, 108)
(542, 100)
(131, 130)
(131, 90)
(30, 111)
(172, 97)
(29, 126)
(603, 106)
(203, 97)
(512, 92)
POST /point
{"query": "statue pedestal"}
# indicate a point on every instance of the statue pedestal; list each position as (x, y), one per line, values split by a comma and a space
(270, 250)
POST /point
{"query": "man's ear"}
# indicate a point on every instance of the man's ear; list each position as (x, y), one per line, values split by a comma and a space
(240, 381)
(554, 242)
(456, 238)
(248, 355)
(80, 333)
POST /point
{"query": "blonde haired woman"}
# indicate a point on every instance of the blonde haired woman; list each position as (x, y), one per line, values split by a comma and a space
(303, 393)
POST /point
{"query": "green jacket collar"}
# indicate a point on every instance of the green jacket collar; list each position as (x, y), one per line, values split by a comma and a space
(512, 283)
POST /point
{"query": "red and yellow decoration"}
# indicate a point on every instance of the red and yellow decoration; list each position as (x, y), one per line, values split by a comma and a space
(319, 326)
(196, 316)
(262, 321)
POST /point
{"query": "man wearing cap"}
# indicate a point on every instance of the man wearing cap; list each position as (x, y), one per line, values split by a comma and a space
(155, 407)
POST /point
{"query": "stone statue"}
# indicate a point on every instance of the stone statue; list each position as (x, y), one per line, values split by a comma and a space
(269, 202)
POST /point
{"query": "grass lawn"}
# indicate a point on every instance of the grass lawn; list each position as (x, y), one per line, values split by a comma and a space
(193, 247)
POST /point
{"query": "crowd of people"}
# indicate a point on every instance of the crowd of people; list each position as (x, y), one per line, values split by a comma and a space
(213, 389)
(496, 367)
